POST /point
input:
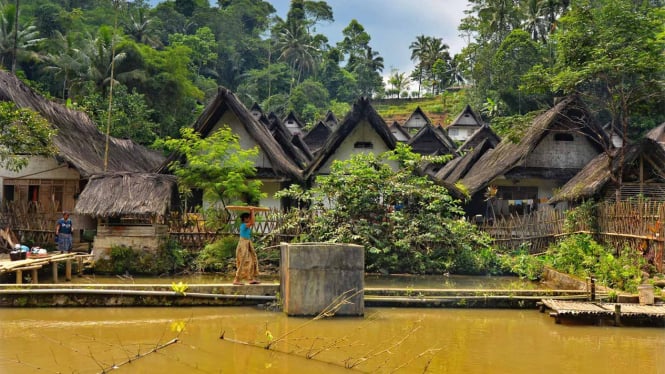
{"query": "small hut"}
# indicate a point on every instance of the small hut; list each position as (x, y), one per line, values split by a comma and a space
(131, 209)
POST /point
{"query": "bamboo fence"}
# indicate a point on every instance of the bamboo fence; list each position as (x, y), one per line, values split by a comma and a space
(635, 224)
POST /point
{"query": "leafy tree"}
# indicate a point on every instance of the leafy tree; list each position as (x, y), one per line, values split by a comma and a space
(310, 94)
(202, 47)
(399, 82)
(405, 221)
(216, 164)
(611, 53)
(23, 133)
(130, 119)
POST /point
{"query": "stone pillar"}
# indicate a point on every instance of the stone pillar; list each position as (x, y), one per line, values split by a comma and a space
(313, 275)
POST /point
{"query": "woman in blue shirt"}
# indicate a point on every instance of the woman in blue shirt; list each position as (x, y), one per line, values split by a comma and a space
(247, 265)
(63, 233)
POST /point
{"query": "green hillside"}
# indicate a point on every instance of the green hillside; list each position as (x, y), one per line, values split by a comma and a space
(441, 109)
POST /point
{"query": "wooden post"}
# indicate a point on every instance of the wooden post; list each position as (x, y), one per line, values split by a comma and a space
(617, 314)
(658, 256)
(68, 269)
(34, 276)
(593, 289)
(55, 272)
(19, 276)
(79, 265)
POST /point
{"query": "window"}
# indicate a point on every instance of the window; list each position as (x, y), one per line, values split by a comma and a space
(564, 137)
(8, 193)
(453, 132)
(363, 145)
(33, 193)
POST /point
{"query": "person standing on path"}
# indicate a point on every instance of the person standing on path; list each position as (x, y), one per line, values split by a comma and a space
(247, 264)
(63, 233)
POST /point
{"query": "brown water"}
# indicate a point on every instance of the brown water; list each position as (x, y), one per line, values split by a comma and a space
(72, 340)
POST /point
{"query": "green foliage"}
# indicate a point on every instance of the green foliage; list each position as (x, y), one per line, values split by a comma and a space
(524, 264)
(23, 132)
(215, 256)
(582, 256)
(406, 222)
(168, 259)
(131, 117)
(216, 164)
(582, 217)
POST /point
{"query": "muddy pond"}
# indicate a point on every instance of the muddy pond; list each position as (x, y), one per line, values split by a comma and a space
(386, 340)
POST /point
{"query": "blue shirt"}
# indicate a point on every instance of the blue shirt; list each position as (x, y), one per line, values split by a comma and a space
(65, 226)
(245, 231)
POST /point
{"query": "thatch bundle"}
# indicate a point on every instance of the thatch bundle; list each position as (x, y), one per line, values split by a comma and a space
(116, 194)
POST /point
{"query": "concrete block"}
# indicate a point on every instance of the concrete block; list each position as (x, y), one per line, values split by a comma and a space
(314, 275)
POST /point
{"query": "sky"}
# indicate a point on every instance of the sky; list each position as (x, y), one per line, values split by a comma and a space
(392, 24)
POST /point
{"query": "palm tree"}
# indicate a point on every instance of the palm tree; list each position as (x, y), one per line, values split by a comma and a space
(140, 28)
(15, 41)
(66, 62)
(417, 48)
(499, 17)
(399, 82)
(97, 58)
(535, 23)
(297, 50)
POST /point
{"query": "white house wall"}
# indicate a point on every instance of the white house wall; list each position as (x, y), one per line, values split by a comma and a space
(246, 141)
(363, 132)
(42, 168)
(550, 153)
(270, 188)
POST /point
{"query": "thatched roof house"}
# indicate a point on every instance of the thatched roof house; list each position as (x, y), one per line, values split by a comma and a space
(361, 130)
(330, 120)
(292, 144)
(399, 132)
(465, 124)
(430, 140)
(317, 136)
(416, 120)
(79, 141)
(556, 146)
(482, 134)
(226, 109)
(657, 133)
(458, 167)
(293, 123)
(118, 194)
(643, 174)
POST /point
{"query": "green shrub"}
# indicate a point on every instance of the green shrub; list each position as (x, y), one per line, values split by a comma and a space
(215, 256)
(168, 259)
(582, 256)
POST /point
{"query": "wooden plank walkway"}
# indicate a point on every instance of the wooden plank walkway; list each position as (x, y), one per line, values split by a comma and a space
(33, 265)
(602, 313)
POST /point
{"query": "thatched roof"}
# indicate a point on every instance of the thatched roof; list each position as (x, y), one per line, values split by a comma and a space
(292, 144)
(431, 140)
(482, 134)
(593, 177)
(399, 132)
(361, 111)
(292, 122)
(568, 113)
(457, 168)
(317, 136)
(78, 140)
(412, 121)
(331, 119)
(283, 165)
(657, 133)
(116, 194)
(467, 118)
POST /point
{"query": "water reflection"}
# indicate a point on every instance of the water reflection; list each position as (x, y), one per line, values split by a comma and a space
(385, 340)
